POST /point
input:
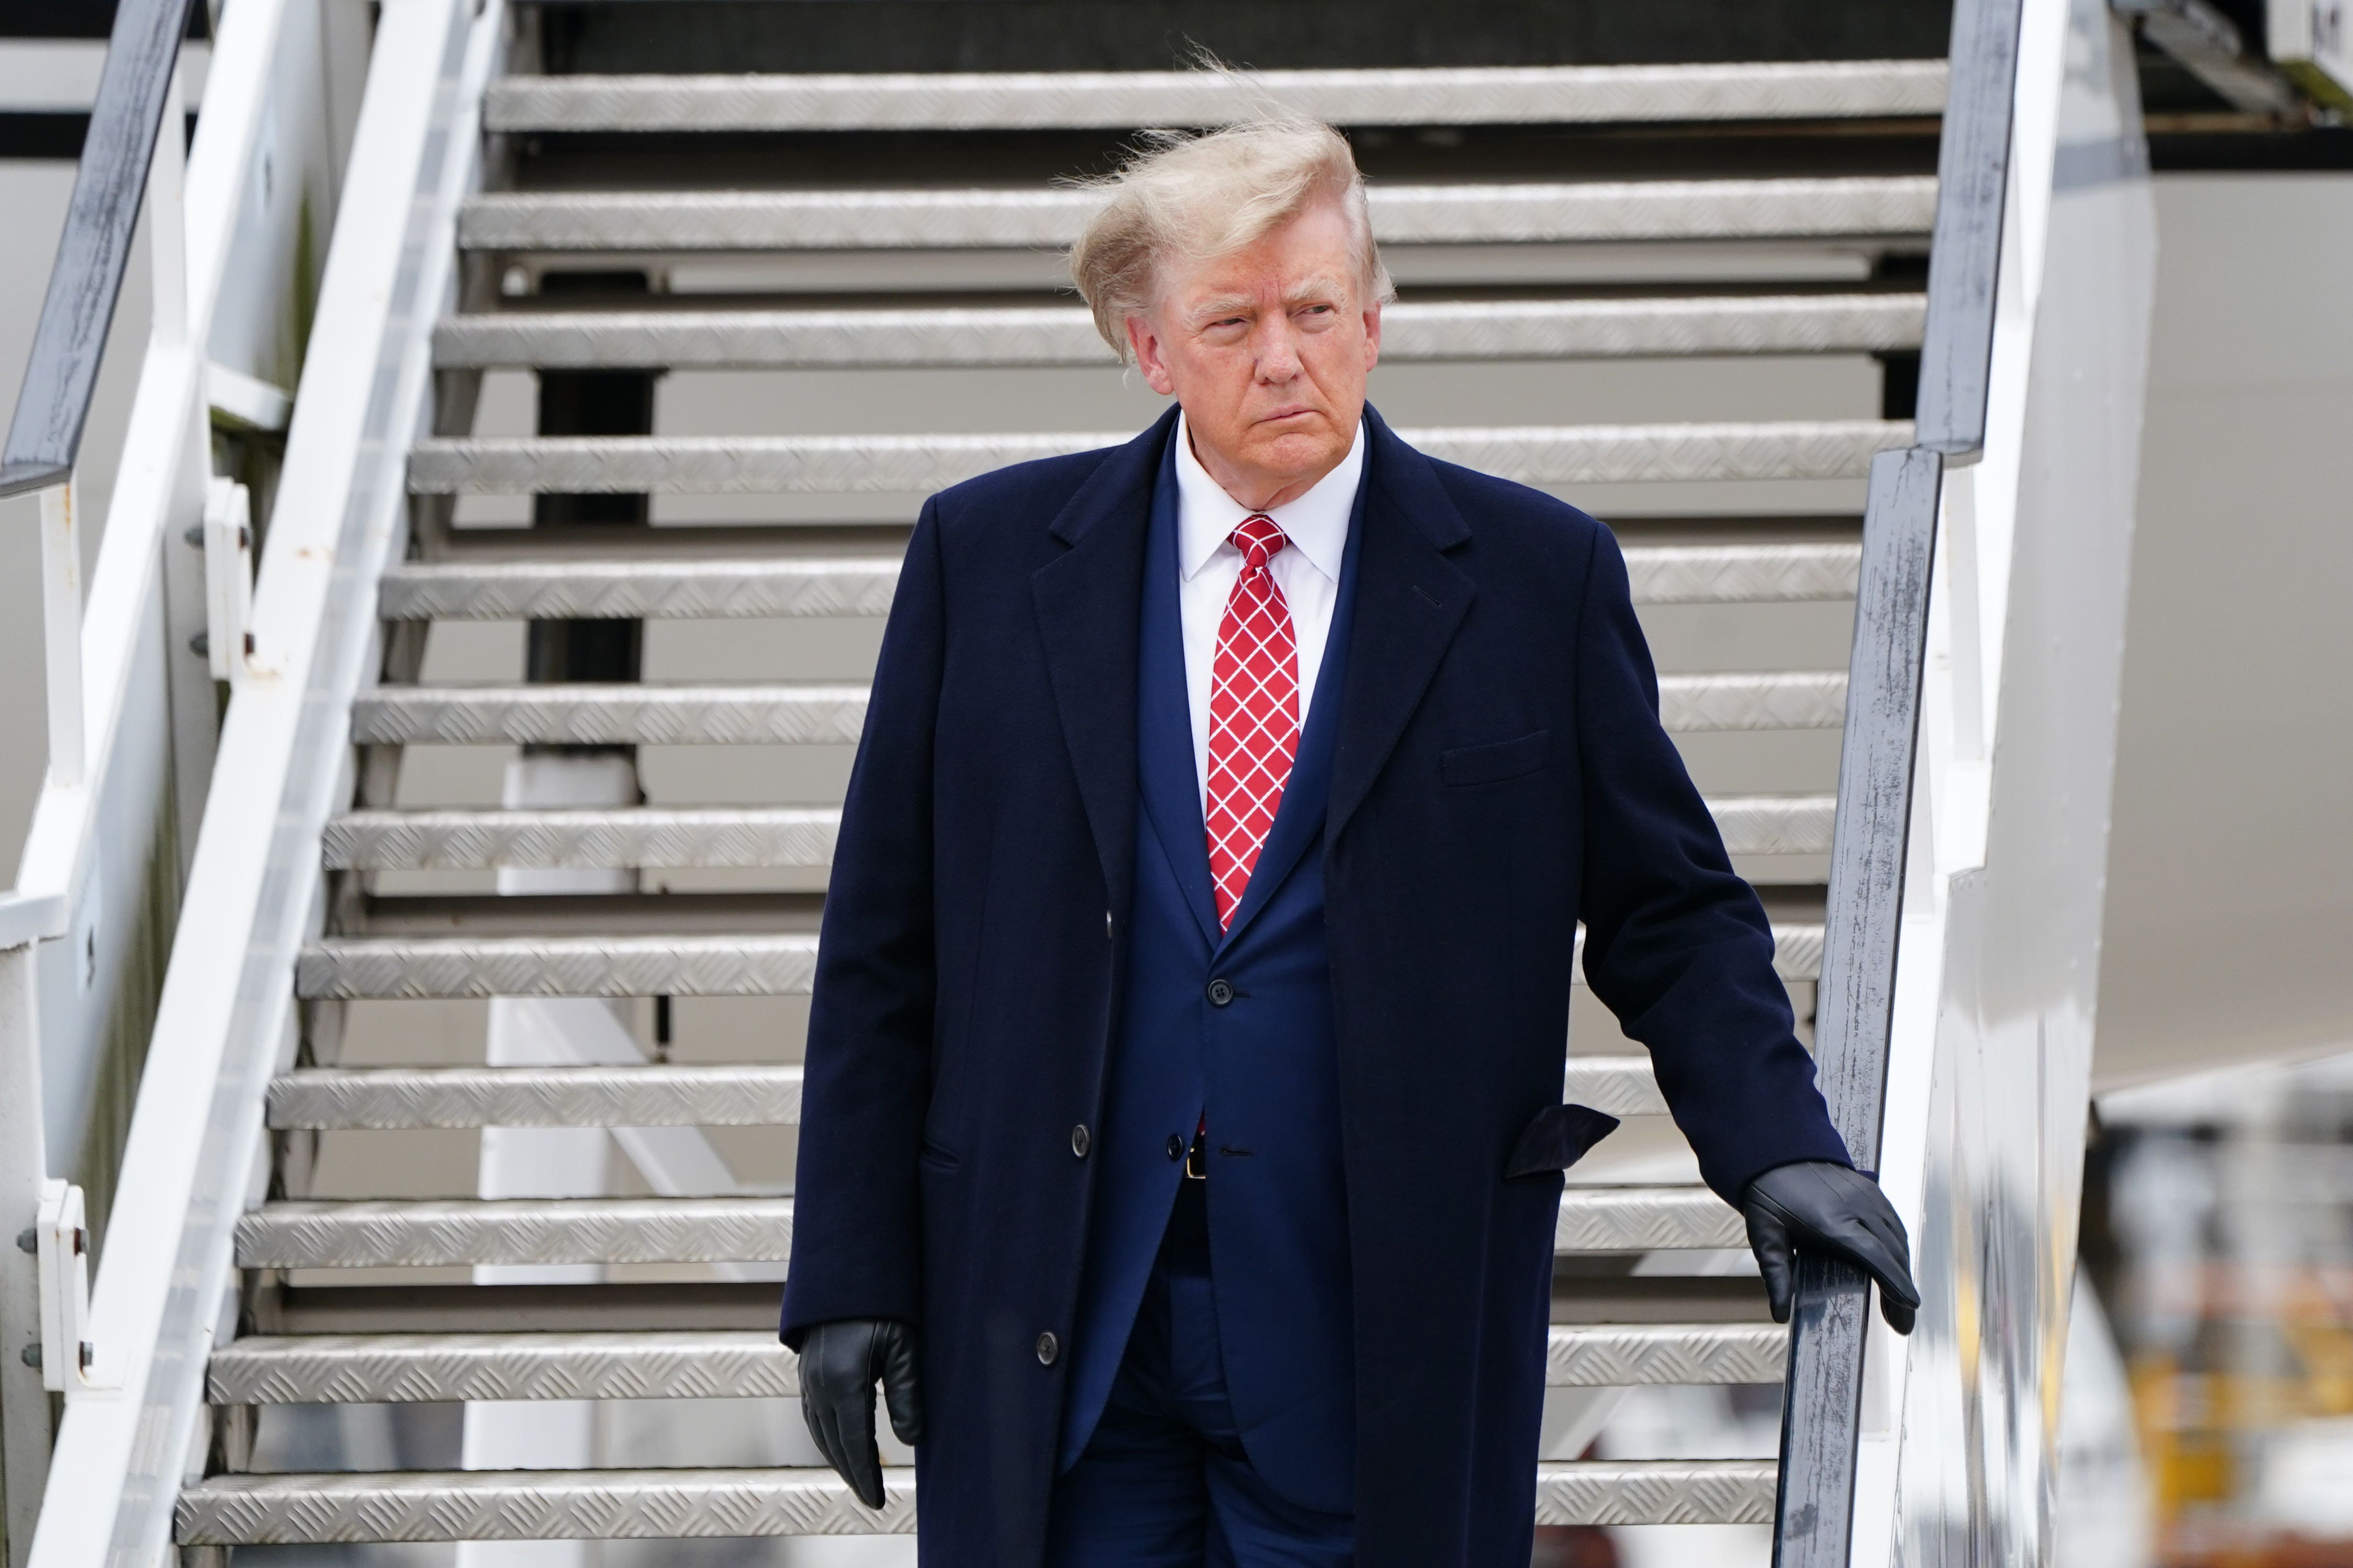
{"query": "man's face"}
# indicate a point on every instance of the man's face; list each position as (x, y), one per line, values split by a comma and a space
(1267, 350)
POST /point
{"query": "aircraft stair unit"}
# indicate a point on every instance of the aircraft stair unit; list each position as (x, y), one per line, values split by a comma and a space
(625, 391)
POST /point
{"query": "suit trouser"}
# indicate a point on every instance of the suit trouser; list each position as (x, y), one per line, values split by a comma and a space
(1164, 1482)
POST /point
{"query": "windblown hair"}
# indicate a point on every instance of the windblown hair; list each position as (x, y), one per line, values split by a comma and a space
(1191, 198)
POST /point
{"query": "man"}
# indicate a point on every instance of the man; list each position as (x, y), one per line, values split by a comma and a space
(1182, 1137)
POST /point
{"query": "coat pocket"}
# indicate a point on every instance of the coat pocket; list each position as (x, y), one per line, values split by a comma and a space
(1556, 1138)
(1493, 764)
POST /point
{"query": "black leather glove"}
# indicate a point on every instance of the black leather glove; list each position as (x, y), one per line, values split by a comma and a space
(1816, 1206)
(839, 1362)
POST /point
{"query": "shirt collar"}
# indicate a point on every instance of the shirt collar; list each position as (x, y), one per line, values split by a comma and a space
(1315, 524)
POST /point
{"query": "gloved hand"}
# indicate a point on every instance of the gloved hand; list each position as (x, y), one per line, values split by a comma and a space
(839, 1362)
(1815, 1205)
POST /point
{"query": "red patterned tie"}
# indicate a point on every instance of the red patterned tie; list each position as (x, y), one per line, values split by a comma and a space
(1253, 715)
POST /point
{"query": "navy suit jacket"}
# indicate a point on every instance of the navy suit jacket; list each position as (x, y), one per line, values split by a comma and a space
(1262, 1067)
(1498, 774)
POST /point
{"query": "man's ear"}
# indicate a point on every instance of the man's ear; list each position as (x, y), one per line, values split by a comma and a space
(1145, 343)
(1371, 336)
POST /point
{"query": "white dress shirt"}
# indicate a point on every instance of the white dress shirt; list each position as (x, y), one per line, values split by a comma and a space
(1307, 570)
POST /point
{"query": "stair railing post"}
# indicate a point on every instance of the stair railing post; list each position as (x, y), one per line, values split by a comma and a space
(61, 633)
(25, 1432)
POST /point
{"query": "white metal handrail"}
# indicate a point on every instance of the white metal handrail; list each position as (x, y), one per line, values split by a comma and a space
(128, 729)
(226, 1019)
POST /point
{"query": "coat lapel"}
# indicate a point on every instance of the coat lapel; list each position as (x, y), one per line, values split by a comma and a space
(1089, 601)
(1410, 601)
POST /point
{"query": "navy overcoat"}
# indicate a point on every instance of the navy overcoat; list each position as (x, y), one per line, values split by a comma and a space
(1499, 775)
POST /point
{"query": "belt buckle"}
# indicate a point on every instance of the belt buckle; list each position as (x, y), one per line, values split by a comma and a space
(1197, 1159)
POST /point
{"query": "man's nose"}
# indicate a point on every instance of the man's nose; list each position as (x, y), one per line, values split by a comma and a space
(1278, 352)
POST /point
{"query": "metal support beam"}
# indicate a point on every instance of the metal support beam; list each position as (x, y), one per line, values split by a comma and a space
(23, 1165)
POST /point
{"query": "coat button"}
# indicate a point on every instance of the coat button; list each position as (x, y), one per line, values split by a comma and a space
(1047, 1349)
(1176, 1145)
(1081, 1141)
(1220, 992)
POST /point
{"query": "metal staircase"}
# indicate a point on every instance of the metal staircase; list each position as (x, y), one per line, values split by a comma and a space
(1792, 245)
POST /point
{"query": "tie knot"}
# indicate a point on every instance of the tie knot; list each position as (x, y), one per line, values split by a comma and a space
(1259, 537)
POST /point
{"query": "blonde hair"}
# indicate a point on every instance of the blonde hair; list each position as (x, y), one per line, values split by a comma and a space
(1192, 198)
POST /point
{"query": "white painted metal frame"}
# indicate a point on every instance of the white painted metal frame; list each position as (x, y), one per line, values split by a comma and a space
(130, 706)
(226, 1019)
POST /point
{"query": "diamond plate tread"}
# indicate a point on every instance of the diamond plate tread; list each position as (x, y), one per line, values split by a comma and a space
(1645, 1219)
(607, 1505)
(1057, 334)
(1656, 1491)
(623, 715)
(1075, 99)
(628, 714)
(642, 837)
(674, 1096)
(758, 837)
(1776, 824)
(383, 1369)
(717, 590)
(1626, 1355)
(665, 1094)
(837, 465)
(418, 968)
(1742, 574)
(428, 1233)
(389, 1233)
(638, 590)
(1778, 699)
(1623, 1086)
(534, 1505)
(1033, 217)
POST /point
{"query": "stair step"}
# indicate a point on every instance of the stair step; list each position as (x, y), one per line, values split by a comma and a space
(1742, 574)
(632, 714)
(380, 1369)
(656, 1095)
(1630, 1355)
(763, 837)
(1645, 1219)
(1034, 217)
(920, 464)
(1087, 99)
(623, 714)
(1064, 334)
(431, 1233)
(668, 1095)
(1623, 1086)
(744, 837)
(639, 590)
(1776, 699)
(427, 1232)
(534, 1505)
(1656, 1491)
(608, 1505)
(416, 968)
(718, 590)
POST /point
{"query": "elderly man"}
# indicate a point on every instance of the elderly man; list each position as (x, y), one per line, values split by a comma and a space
(1182, 1135)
